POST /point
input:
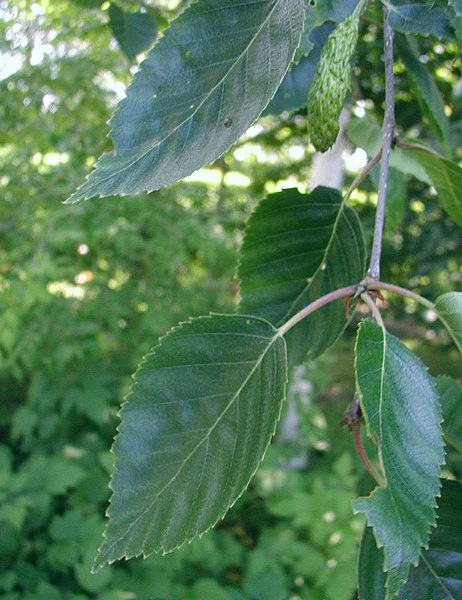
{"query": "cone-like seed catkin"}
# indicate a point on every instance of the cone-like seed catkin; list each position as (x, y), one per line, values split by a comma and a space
(331, 84)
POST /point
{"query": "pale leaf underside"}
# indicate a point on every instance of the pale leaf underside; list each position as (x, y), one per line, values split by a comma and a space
(193, 430)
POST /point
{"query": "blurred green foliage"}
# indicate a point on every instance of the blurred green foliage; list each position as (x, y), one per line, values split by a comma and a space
(86, 290)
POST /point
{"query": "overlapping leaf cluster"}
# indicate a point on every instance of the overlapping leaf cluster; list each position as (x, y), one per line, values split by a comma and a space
(206, 401)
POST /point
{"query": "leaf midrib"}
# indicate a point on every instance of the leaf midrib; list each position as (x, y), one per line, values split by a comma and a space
(210, 430)
(323, 261)
(199, 106)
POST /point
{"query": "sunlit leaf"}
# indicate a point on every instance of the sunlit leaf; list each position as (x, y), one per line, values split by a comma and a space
(402, 412)
(438, 575)
(449, 309)
(193, 430)
(202, 85)
(298, 247)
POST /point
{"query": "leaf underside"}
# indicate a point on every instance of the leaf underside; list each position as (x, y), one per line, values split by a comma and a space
(402, 412)
(202, 410)
(206, 80)
(438, 575)
(449, 309)
(298, 247)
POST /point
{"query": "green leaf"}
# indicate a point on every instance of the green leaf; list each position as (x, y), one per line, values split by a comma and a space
(193, 430)
(134, 32)
(402, 413)
(329, 10)
(446, 178)
(457, 6)
(451, 402)
(438, 575)
(396, 197)
(293, 91)
(449, 309)
(424, 87)
(317, 13)
(298, 247)
(419, 17)
(190, 101)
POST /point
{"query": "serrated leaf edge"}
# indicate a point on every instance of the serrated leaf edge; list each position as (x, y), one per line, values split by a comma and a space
(342, 207)
(98, 563)
(430, 525)
(76, 196)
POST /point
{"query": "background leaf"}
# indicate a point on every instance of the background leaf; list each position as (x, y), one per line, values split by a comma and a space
(298, 247)
(451, 402)
(449, 309)
(446, 178)
(317, 13)
(134, 32)
(293, 91)
(424, 87)
(366, 133)
(402, 413)
(438, 575)
(457, 6)
(201, 413)
(190, 102)
(419, 17)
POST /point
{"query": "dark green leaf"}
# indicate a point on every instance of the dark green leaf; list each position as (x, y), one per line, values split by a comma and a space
(419, 17)
(191, 101)
(329, 10)
(439, 574)
(449, 309)
(424, 87)
(402, 412)
(134, 32)
(451, 402)
(193, 430)
(293, 91)
(317, 13)
(298, 247)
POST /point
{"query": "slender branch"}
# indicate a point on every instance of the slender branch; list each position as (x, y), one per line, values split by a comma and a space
(317, 304)
(396, 289)
(363, 174)
(388, 132)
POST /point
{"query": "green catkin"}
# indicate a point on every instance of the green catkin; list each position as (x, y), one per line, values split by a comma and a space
(331, 84)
